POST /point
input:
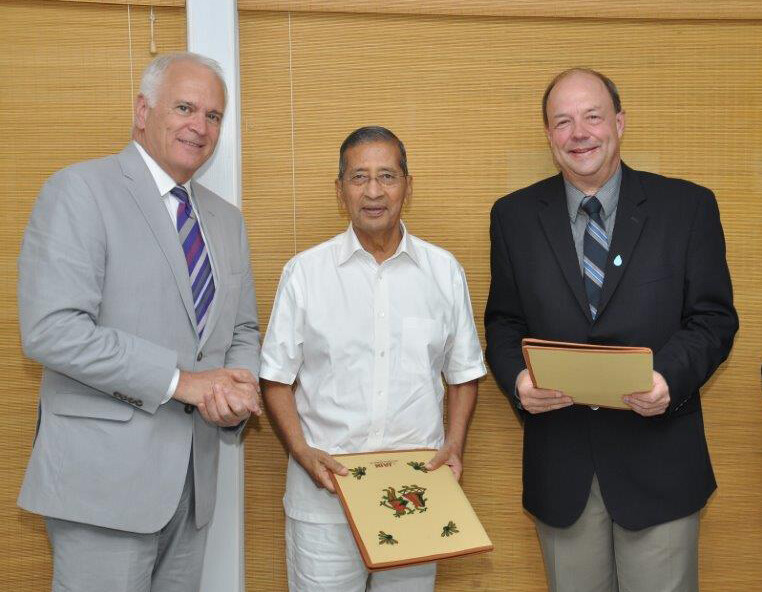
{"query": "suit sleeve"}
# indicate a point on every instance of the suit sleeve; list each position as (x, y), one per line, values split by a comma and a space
(504, 319)
(61, 273)
(709, 320)
(244, 348)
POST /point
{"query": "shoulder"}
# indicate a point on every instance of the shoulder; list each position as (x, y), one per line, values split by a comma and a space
(671, 188)
(437, 259)
(314, 258)
(528, 198)
(87, 172)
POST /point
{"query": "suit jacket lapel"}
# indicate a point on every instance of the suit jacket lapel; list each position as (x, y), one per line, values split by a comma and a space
(215, 244)
(143, 189)
(555, 222)
(631, 216)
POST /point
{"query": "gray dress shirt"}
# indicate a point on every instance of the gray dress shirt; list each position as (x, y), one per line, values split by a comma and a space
(608, 195)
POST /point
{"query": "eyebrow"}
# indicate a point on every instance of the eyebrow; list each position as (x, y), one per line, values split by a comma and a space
(585, 112)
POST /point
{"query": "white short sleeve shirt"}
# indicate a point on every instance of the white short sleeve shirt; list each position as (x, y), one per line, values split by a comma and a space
(367, 346)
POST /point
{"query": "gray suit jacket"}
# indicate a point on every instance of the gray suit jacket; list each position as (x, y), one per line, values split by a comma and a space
(105, 305)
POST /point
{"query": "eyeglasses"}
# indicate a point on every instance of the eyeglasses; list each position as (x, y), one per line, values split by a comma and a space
(385, 179)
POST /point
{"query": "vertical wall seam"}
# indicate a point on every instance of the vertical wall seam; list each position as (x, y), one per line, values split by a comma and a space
(293, 148)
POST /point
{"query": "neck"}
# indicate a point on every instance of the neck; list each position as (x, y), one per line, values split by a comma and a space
(592, 185)
(381, 245)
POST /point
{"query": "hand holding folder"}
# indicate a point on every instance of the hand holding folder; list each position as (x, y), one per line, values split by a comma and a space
(590, 374)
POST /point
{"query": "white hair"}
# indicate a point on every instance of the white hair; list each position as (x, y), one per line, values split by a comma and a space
(153, 75)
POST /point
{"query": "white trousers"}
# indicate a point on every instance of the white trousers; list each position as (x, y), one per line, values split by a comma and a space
(324, 558)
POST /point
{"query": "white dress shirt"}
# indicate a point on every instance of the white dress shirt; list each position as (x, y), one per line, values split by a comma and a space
(367, 345)
(165, 184)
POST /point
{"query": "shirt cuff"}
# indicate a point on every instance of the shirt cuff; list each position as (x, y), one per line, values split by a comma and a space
(466, 375)
(273, 374)
(172, 387)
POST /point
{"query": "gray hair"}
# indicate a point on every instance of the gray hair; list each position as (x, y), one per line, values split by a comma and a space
(368, 135)
(153, 75)
(607, 82)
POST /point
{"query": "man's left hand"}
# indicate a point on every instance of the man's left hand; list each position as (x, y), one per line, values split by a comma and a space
(229, 405)
(451, 455)
(653, 402)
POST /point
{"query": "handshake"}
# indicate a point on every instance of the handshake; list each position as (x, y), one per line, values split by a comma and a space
(224, 396)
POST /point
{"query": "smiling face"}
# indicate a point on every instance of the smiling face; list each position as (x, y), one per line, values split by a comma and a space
(373, 189)
(584, 131)
(181, 130)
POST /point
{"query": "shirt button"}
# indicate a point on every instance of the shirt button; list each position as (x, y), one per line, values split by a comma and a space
(381, 354)
(379, 394)
(382, 314)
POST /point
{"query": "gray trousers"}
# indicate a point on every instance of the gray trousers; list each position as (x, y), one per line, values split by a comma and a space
(89, 558)
(596, 555)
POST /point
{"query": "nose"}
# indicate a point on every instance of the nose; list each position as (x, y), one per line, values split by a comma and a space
(579, 130)
(199, 123)
(373, 188)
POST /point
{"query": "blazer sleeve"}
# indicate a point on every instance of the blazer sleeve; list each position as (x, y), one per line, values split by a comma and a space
(504, 319)
(61, 273)
(709, 320)
(244, 348)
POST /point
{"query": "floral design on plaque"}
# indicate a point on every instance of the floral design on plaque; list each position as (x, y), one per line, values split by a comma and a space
(449, 529)
(358, 472)
(386, 539)
(418, 466)
(409, 500)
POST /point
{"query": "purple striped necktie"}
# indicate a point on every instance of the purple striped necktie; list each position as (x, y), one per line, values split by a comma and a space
(196, 256)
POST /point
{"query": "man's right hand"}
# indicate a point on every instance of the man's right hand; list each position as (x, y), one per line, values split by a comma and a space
(536, 400)
(319, 465)
(234, 391)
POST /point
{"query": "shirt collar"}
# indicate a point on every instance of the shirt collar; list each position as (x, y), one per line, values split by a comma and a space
(163, 181)
(608, 195)
(349, 244)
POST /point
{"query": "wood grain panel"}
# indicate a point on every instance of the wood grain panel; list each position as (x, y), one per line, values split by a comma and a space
(176, 3)
(66, 95)
(598, 9)
(464, 95)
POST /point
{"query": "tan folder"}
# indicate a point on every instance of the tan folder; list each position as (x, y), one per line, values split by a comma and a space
(400, 514)
(598, 375)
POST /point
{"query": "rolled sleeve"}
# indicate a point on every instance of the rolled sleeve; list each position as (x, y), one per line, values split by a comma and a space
(464, 360)
(282, 351)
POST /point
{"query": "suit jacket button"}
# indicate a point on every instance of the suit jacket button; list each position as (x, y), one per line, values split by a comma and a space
(138, 402)
(188, 408)
(199, 356)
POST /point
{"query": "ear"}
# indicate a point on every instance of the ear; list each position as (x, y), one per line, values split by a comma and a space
(547, 132)
(620, 121)
(340, 194)
(408, 191)
(141, 111)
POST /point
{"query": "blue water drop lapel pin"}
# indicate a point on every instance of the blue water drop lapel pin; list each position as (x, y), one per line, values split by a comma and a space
(618, 260)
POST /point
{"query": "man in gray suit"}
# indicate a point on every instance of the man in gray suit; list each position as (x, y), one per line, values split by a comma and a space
(136, 294)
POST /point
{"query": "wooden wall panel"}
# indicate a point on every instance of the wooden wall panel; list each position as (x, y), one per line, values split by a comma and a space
(66, 95)
(642, 9)
(464, 94)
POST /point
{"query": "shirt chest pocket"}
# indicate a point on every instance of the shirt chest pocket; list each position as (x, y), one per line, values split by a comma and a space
(423, 342)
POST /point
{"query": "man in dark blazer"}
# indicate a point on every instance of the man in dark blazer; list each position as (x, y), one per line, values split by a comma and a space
(603, 254)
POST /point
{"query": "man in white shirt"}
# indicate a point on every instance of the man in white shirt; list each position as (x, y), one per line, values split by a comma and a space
(363, 329)
(135, 293)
